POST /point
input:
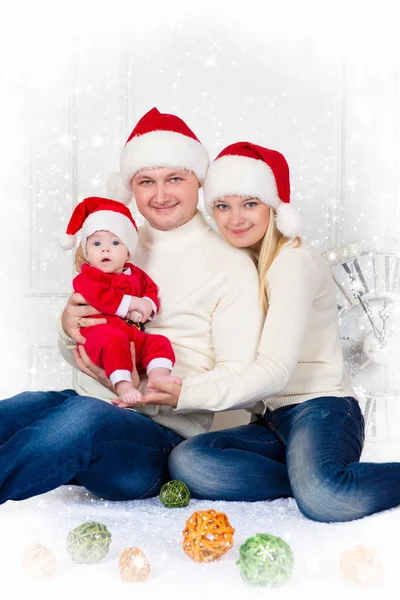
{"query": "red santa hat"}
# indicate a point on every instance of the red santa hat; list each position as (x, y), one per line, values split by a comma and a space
(246, 169)
(158, 140)
(100, 214)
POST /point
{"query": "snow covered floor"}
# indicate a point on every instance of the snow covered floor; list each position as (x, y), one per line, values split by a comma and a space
(157, 530)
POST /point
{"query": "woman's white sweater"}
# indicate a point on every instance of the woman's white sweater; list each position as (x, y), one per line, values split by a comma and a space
(299, 357)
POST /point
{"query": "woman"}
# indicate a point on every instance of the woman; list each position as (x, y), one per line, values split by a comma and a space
(308, 436)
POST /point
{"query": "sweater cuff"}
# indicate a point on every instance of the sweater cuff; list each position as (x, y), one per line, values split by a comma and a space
(123, 308)
(63, 337)
(193, 397)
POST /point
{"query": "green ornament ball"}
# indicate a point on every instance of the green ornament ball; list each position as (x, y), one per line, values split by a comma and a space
(89, 542)
(265, 560)
(174, 494)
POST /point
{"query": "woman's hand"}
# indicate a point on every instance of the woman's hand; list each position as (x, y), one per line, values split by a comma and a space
(163, 392)
(75, 316)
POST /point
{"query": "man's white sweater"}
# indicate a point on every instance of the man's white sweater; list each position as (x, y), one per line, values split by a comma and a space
(209, 311)
(299, 357)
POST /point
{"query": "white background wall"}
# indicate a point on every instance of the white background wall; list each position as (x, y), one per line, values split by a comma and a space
(319, 81)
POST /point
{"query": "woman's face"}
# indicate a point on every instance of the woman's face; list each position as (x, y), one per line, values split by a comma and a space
(241, 221)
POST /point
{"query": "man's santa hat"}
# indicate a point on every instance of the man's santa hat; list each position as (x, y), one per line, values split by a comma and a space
(100, 214)
(246, 169)
(158, 140)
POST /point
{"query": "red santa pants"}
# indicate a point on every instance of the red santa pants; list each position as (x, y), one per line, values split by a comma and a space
(108, 346)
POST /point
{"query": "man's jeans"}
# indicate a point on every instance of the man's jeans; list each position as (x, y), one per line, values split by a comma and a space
(50, 438)
(309, 451)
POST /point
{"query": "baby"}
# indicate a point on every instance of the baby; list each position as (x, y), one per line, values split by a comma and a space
(124, 294)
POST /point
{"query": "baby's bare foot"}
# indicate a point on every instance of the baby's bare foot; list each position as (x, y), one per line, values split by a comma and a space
(128, 393)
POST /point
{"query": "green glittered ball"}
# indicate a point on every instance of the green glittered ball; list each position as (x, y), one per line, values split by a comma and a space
(89, 542)
(174, 494)
(265, 560)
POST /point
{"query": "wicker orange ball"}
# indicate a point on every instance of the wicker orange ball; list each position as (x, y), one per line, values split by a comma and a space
(207, 535)
(133, 565)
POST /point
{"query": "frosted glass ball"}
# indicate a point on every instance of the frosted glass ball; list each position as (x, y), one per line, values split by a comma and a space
(361, 566)
(39, 562)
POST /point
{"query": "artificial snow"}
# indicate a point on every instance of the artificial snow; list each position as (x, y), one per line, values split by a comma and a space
(157, 530)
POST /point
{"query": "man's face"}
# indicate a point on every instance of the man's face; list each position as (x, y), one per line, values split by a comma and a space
(167, 198)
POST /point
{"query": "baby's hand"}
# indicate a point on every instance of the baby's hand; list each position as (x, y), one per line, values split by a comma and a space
(142, 307)
(135, 316)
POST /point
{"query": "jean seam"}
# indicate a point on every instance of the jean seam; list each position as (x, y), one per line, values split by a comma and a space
(149, 491)
(245, 439)
(272, 427)
(352, 401)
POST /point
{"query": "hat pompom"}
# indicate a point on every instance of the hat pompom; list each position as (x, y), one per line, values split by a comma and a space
(117, 190)
(289, 220)
(66, 241)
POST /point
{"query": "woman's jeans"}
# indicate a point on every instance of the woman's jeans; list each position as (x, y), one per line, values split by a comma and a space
(48, 439)
(310, 451)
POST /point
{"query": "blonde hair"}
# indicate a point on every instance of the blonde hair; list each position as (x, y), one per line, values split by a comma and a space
(271, 245)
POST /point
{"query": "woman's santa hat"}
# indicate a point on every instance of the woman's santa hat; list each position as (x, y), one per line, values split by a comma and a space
(246, 169)
(158, 140)
(100, 214)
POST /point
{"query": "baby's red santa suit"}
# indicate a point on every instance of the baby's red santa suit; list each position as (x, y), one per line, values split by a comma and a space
(111, 293)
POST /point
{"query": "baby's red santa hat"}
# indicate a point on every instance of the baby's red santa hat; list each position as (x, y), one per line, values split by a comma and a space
(246, 169)
(158, 140)
(100, 214)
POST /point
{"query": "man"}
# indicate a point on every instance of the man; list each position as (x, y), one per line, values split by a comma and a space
(209, 311)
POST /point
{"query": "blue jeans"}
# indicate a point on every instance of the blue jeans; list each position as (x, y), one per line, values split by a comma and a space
(48, 439)
(309, 451)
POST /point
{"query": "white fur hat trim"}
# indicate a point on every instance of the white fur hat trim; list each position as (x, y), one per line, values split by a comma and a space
(162, 149)
(289, 220)
(116, 189)
(109, 220)
(238, 175)
(66, 241)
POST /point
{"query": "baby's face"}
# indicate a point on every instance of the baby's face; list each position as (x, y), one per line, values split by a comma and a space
(106, 252)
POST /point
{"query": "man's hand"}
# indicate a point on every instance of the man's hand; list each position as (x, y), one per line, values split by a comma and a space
(140, 309)
(85, 365)
(75, 316)
(165, 391)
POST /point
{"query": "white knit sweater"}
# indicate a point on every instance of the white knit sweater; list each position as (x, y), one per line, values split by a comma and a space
(209, 311)
(299, 357)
